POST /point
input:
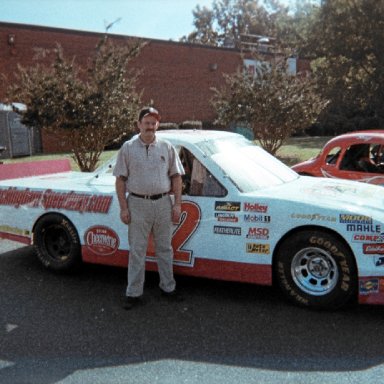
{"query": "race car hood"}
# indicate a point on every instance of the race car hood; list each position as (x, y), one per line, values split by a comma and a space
(331, 194)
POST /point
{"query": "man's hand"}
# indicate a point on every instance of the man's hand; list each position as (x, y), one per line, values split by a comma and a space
(125, 216)
(176, 212)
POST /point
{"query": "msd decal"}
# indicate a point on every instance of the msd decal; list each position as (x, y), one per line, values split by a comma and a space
(101, 240)
(258, 233)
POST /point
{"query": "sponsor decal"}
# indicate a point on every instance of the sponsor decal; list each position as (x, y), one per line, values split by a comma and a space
(249, 218)
(228, 217)
(355, 219)
(258, 233)
(364, 228)
(258, 248)
(369, 286)
(14, 230)
(364, 238)
(48, 199)
(255, 207)
(379, 261)
(313, 216)
(221, 230)
(101, 240)
(373, 249)
(231, 206)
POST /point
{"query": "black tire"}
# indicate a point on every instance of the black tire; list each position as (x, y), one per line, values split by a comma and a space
(316, 269)
(57, 243)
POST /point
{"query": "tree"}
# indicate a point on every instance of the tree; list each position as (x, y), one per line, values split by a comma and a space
(347, 38)
(273, 103)
(224, 24)
(86, 108)
(293, 25)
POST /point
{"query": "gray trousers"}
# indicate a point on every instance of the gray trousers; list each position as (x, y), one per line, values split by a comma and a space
(150, 216)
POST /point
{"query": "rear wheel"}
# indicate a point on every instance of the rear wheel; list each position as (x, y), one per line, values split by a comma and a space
(57, 243)
(316, 269)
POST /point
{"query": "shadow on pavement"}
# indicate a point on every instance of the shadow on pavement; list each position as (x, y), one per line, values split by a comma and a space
(54, 325)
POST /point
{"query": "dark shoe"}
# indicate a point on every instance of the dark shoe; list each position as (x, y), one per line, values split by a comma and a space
(130, 302)
(172, 296)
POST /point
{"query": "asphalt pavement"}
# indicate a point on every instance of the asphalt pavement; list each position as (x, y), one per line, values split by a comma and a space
(66, 329)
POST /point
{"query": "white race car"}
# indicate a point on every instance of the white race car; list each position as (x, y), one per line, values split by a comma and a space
(245, 217)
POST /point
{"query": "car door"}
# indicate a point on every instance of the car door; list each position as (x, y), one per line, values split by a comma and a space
(193, 236)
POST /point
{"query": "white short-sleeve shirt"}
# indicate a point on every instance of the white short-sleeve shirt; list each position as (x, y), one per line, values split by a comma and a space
(148, 168)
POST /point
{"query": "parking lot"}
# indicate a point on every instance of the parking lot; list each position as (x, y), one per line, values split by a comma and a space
(72, 329)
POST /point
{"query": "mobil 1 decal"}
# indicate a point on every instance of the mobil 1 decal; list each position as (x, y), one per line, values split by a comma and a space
(255, 212)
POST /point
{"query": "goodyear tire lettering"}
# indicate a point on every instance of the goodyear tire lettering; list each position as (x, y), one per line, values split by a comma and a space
(342, 281)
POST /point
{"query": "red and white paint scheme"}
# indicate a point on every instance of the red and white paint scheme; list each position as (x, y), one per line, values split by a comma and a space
(245, 217)
(354, 156)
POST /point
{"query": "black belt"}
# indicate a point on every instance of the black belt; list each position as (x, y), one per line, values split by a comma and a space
(150, 197)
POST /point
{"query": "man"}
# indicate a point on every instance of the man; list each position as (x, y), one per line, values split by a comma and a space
(149, 169)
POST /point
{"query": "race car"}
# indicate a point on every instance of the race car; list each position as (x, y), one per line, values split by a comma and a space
(356, 156)
(246, 217)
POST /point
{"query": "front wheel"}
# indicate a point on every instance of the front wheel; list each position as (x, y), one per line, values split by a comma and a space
(316, 269)
(56, 243)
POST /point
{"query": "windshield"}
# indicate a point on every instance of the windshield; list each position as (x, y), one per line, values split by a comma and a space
(248, 166)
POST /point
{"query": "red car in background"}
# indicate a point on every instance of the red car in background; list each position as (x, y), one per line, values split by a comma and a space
(356, 156)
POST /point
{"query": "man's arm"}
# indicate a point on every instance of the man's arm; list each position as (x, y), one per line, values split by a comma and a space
(121, 196)
(176, 189)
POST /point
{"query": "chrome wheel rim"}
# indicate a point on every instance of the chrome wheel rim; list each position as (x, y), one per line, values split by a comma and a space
(314, 271)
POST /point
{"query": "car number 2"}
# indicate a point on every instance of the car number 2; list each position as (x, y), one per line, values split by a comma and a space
(189, 221)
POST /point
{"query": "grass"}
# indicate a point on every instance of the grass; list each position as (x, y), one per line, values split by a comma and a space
(296, 149)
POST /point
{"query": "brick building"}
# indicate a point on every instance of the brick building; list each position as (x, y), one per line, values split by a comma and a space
(177, 77)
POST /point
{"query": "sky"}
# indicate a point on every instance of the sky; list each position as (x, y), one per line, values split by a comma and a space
(157, 19)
